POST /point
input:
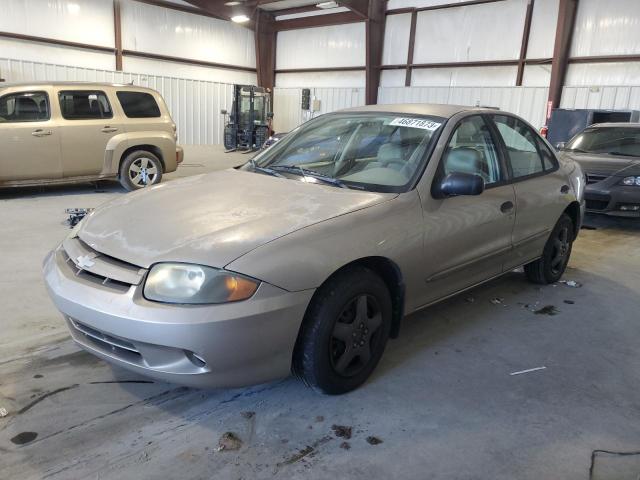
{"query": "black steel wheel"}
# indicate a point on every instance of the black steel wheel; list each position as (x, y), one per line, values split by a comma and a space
(344, 332)
(551, 266)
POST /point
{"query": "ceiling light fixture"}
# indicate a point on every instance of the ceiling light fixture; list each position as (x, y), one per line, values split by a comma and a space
(232, 4)
(239, 18)
(324, 5)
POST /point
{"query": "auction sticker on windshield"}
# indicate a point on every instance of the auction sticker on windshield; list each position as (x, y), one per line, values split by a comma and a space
(415, 123)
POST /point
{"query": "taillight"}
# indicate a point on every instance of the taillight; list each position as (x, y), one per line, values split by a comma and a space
(544, 130)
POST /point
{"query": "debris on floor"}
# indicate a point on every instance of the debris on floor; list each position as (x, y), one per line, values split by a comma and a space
(571, 283)
(569, 302)
(527, 371)
(3, 412)
(24, 437)
(229, 441)
(76, 215)
(341, 431)
(373, 441)
(345, 445)
(547, 310)
(497, 301)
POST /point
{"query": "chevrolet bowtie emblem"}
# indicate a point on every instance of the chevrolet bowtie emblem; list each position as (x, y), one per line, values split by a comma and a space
(85, 261)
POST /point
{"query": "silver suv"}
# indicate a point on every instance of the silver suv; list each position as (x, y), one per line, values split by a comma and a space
(61, 132)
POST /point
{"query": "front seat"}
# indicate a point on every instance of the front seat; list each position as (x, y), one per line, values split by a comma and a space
(389, 156)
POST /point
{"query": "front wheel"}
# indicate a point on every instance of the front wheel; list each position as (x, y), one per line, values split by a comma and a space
(140, 169)
(344, 332)
(551, 266)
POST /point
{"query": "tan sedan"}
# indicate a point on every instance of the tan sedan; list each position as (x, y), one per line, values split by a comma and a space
(308, 257)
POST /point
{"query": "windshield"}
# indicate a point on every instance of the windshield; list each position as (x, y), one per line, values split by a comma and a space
(611, 140)
(378, 152)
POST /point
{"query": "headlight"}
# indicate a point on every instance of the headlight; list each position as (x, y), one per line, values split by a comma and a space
(196, 284)
(631, 181)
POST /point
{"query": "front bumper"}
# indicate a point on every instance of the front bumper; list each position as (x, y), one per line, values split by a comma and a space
(615, 200)
(242, 343)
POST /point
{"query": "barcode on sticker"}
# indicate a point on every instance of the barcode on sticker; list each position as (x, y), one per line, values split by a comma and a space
(415, 123)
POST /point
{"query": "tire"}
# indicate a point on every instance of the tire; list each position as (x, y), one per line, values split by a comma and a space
(551, 266)
(140, 169)
(335, 328)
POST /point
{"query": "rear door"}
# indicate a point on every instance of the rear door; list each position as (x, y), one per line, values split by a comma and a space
(87, 126)
(29, 137)
(467, 238)
(542, 191)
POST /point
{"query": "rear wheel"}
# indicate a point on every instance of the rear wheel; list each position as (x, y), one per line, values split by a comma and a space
(140, 169)
(344, 332)
(551, 266)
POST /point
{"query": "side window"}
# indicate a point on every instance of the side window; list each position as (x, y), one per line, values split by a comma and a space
(84, 105)
(548, 159)
(521, 146)
(24, 107)
(472, 150)
(138, 104)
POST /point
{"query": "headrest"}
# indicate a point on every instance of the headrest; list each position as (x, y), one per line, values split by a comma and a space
(463, 160)
(389, 152)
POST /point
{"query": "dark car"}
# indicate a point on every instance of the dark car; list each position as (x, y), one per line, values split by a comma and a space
(609, 154)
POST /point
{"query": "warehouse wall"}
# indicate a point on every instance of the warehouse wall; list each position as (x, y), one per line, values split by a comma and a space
(145, 28)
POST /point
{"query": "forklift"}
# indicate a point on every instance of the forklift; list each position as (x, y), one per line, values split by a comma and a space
(249, 123)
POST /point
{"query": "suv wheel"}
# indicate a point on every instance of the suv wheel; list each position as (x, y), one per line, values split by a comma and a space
(140, 169)
(551, 266)
(344, 332)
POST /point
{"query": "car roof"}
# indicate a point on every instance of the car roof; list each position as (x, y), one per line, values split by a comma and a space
(73, 84)
(616, 124)
(432, 109)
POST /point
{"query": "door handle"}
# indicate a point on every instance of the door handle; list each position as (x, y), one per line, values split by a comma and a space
(506, 207)
(564, 189)
(41, 133)
(109, 129)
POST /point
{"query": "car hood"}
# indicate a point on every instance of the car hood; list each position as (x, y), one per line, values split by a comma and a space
(606, 164)
(213, 219)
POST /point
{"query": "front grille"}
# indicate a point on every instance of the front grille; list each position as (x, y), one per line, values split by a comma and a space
(596, 205)
(595, 178)
(98, 268)
(124, 349)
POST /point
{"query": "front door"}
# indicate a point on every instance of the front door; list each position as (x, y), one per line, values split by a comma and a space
(29, 140)
(467, 238)
(87, 126)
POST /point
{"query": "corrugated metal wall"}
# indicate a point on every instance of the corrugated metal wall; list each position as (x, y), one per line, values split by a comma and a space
(609, 97)
(286, 104)
(528, 102)
(194, 104)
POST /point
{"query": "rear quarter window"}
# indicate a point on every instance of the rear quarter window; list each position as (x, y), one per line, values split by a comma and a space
(138, 104)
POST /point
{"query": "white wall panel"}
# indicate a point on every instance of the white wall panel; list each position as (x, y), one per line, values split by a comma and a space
(618, 73)
(543, 29)
(537, 76)
(491, 31)
(42, 52)
(606, 97)
(287, 113)
(392, 78)
(321, 79)
(147, 28)
(607, 28)
(192, 72)
(527, 102)
(334, 46)
(82, 21)
(396, 39)
(464, 76)
(194, 105)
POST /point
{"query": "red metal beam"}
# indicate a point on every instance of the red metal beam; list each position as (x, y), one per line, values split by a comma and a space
(183, 8)
(220, 10)
(412, 43)
(320, 69)
(359, 7)
(117, 33)
(374, 42)
(397, 11)
(564, 34)
(525, 42)
(188, 61)
(265, 49)
(318, 21)
(54, 41)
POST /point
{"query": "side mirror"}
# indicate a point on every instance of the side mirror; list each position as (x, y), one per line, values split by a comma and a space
(560, 145)
(270, 115)
(458, 183)
(223, 112)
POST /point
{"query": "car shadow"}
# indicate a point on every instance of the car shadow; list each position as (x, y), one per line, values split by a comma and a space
(594, 221)
(43, 191)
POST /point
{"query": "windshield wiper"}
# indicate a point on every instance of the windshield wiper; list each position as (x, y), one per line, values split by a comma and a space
(621, 154)
(265, 170)
(305, 172)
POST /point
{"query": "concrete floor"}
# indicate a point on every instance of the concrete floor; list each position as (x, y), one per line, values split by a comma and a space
(442, 401)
